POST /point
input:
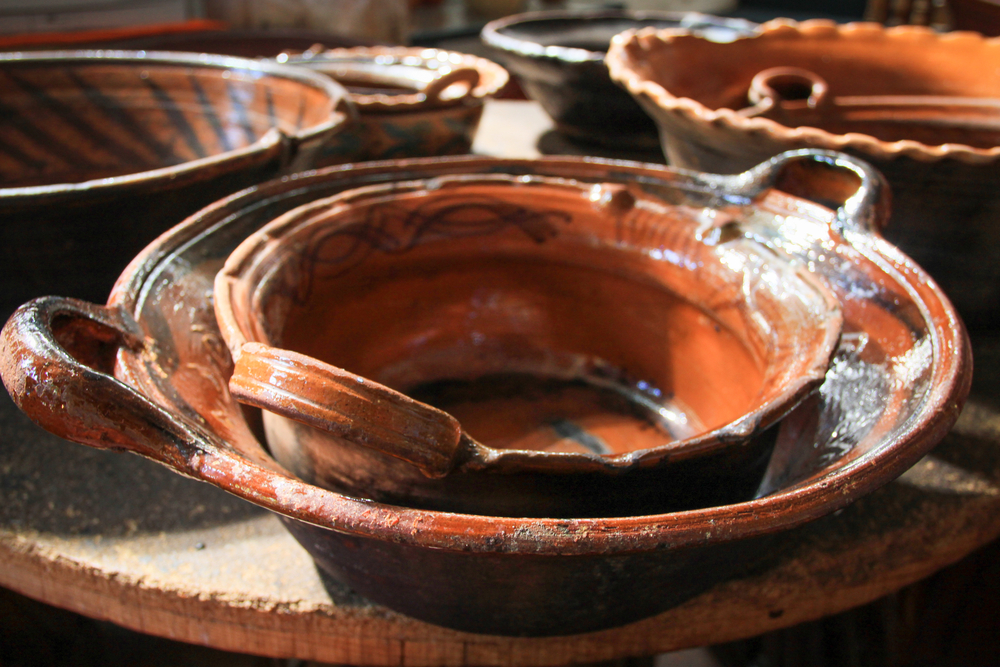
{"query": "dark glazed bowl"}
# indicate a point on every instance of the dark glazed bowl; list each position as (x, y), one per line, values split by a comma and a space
(588, 350)
(943, 166)
(411, 102)
(983, 16)
(149, 371)
(559, 59)
(100, 152)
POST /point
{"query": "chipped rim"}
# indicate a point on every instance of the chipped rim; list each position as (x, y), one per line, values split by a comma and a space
(647, 39)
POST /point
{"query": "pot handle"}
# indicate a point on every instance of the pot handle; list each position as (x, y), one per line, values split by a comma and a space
(436, 86)
(57, 357)
(853, 188)
(786, 93)
(350, 407)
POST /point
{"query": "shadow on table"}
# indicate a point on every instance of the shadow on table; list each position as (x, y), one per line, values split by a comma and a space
(49, 485)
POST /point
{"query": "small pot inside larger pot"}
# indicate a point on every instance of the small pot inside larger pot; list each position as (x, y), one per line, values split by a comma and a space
(588, 351)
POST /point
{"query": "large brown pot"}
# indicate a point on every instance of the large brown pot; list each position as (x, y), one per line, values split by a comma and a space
(149, 371)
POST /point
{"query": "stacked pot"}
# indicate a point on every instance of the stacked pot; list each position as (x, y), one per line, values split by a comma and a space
(479, 390)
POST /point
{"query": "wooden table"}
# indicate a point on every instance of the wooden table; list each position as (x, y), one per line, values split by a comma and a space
(116, 537)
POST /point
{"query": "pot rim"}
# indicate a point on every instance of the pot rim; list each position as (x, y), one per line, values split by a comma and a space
(271, 142)
(621, 70)
(782, 510)
(493, 34)
(492, 77)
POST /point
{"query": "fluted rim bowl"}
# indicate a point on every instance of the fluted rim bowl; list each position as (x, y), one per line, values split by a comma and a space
(203, 435)
(413, 67)
(239, 142)
(643, 61)
(763, 306)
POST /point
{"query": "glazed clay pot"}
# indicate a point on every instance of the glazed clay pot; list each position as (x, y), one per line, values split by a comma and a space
(589, 351)
(558, 57)
(411, 102)
(149, 372)
(941, 164)
(102, 152)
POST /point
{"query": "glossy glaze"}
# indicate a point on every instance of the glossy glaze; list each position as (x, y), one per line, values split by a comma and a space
(574, 329)
(411, 102)
(100, 153)
(558, 57)
(942, 169)
(897, 383)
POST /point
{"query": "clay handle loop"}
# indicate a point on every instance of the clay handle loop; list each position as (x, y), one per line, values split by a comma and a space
(438, 85)
(855, 189)
(56, 360)
(781, 92)
(358, 410)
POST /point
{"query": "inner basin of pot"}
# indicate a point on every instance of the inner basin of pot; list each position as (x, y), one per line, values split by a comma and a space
(541, 321)
(533, 351)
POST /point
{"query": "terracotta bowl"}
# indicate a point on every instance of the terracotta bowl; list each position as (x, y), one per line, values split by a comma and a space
(558, 57)
(590, 351)
(411, 102)
(100, 152)
(942, 160)
(149, 373)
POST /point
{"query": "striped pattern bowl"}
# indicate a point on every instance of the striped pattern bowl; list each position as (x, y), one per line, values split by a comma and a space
(102, 151)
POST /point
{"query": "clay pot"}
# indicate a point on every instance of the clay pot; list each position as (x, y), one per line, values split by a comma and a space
(590, 351)
(411, 102)
(102, 152)
(558, 57)
(149, 373)
(942, 160)
(983, 16)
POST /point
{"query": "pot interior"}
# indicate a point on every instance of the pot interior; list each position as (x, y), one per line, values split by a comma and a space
(858, 62)
(540, 318)
(69, 121)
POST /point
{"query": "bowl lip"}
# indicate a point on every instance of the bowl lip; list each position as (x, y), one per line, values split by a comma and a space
(494, 35)
(277, 241)
(271, 142)
(492, 77)
(782, 510)
(641, 87)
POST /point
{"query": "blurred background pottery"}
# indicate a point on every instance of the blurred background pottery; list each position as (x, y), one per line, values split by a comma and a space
(558, 58)
(982, 16)
(100, 153)
(148, 373)
(502, 302)
(941, 163)
(411, 102)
